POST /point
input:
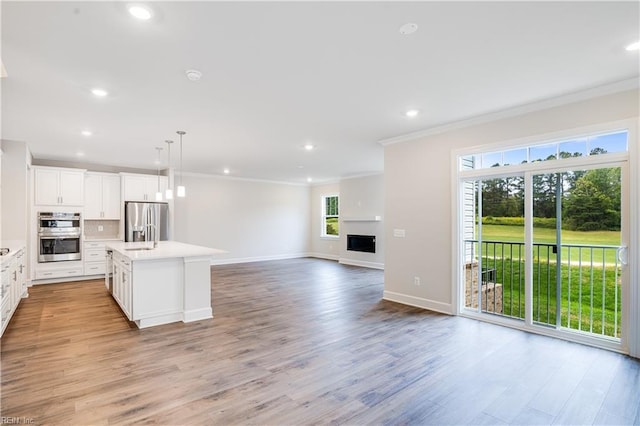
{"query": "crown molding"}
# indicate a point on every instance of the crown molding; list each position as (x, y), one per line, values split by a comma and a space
(227, 177)
(607, 89)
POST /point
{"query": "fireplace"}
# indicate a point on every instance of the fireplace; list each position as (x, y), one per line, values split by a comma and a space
(364, 243)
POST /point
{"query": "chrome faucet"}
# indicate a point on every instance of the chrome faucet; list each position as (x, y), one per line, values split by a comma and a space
(155, 234)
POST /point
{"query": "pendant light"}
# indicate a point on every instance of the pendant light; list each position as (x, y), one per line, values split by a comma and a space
(169, 192)
(159, 193)
(180, 190)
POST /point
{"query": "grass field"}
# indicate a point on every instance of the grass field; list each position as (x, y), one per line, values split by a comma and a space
(590, 282)
(541, 235)
(544, 235)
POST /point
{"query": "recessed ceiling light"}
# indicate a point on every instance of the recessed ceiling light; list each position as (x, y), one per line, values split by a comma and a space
(408, 28)
(86, 133)
(309, 147)
(79, 154)
(193, 75)
(140, 12)
(633, 46)
(412, 113)
(226, 171)
(99, 92)
(309, 179)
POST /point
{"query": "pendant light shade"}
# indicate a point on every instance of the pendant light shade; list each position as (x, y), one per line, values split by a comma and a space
(159, 193)
(169, 192)
(181, 190)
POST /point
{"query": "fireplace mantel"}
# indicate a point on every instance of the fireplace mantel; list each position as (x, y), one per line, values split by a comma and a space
(362, 219)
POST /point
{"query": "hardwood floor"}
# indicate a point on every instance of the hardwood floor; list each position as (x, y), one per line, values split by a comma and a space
(298, 342)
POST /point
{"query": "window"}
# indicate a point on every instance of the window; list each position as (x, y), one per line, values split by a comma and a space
(580, 147)
(330, 216)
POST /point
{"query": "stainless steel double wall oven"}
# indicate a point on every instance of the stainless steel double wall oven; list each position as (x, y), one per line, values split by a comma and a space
(59, 237)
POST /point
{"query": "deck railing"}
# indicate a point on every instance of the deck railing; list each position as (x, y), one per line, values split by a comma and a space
(587, 297)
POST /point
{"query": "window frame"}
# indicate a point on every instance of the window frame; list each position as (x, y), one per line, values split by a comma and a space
(325, 216)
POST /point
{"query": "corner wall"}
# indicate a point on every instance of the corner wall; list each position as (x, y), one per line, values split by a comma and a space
(418, 188)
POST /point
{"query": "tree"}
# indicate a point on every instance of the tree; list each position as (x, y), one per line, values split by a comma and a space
(594, 203)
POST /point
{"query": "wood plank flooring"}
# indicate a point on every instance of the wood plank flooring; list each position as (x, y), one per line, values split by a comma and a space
(297, 342)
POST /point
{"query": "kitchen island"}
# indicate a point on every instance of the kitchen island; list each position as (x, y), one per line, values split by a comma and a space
(168, 283)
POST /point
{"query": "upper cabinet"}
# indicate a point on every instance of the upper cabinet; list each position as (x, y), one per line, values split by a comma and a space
(58, 187)
(143, 187)
(102, 196)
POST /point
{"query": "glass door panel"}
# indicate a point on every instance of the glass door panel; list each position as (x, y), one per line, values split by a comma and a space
(493, 229)
(576, 281)
(591, 277)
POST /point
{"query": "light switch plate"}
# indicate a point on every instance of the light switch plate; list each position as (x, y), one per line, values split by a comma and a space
(398, 233)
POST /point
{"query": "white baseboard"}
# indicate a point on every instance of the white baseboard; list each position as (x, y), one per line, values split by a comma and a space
(418, 302)
(257, 258)
(66, 279)
(324, 256)
(363, 263)
(197, 314)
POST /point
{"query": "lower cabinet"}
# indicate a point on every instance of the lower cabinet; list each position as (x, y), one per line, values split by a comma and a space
(94, 256)
(51, 271)
(122, 283)
(13, 286)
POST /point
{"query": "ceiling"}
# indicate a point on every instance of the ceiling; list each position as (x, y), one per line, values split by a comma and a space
(278, 75)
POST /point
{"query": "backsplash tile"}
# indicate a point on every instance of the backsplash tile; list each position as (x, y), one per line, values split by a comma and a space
(110, 229)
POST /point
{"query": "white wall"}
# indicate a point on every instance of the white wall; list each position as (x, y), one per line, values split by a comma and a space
(251, 220)
(322, 247)
(362, 198)
(417, 184)
(15, 202)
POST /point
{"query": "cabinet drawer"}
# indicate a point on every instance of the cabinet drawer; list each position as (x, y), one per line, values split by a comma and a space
(58, 273)
(94, 245)
(94, 268)
(94, 254)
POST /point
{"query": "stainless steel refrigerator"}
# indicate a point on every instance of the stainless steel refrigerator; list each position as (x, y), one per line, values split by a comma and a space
(143, 220)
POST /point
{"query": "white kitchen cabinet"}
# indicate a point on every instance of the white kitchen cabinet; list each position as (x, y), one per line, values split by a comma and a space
(102, 196)
(14, 286)
(58, 270)
(94, 256)
(58, 187)
(143, 187)
(122, 283)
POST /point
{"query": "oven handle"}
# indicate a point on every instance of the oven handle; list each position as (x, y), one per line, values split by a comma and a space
(58, 237)
(75, 233)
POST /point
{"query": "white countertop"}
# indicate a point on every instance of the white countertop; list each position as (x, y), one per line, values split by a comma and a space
(165, 250)
(13, 246)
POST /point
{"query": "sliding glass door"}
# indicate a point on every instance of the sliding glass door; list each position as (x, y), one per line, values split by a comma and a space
(543, 244)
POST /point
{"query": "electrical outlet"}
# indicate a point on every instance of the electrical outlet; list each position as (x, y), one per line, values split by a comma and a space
(100, 228)
(416, 280)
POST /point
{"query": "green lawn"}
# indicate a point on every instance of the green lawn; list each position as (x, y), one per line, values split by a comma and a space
(590, 293)
(543, 235)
